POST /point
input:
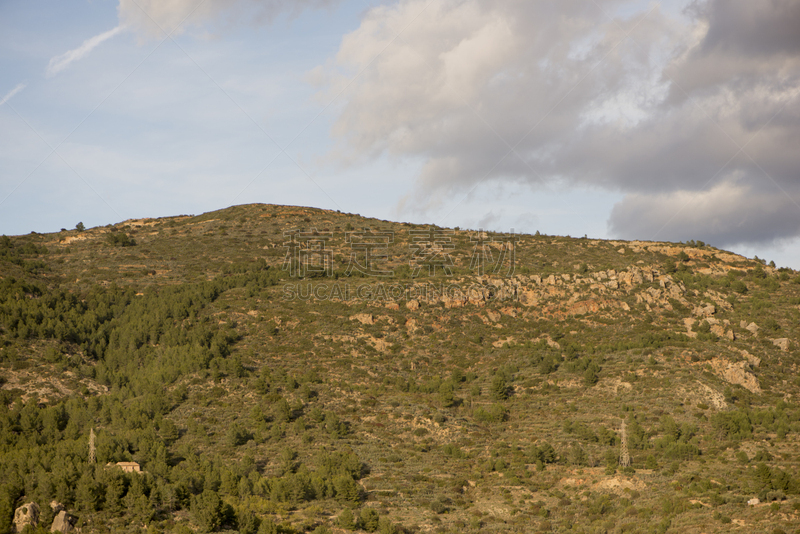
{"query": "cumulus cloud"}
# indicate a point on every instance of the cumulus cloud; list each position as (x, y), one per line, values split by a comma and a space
(61, 62)
(604, 93)
(19, 87)
(151, 18)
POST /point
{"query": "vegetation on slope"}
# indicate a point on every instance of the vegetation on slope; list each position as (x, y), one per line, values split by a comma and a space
(492, 406)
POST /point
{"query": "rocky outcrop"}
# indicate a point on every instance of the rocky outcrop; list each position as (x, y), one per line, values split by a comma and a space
(363, 318)
(705, 311)
(736, 373)
(755, 361)
(752, 327)
(782, 343)
(27, 514)
(719, 330)
(63, 522)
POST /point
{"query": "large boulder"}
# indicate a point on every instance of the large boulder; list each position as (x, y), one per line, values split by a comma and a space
(63, 522)
(27, 514)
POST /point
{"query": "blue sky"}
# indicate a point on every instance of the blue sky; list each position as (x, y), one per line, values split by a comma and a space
(610, 118)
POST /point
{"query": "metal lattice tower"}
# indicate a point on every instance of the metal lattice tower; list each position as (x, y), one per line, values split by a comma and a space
(92, 452)
(624, 457)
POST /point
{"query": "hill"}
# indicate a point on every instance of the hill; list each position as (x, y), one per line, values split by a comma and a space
(288, 369)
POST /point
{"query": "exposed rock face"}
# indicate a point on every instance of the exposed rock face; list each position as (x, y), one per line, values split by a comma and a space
(493, 316)
(720, 331)
(411, 325)
(705, 311)
(363, 318)
(63, 522)
(528, 298)
(753, 328)
(782, 343)
(27, 514)
(735, 373)
(755, 361)
(412, 305)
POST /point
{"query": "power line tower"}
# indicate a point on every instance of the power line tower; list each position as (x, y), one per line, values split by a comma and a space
(92, 451)
(624, 457)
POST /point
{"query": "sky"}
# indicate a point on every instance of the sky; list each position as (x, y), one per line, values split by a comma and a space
(670, 120)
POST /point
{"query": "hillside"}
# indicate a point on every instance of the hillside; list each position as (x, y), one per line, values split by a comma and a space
(404, 378)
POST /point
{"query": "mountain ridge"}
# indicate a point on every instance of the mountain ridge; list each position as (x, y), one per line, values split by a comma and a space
(491, 402)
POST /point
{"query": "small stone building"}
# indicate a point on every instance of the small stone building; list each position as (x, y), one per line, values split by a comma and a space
(129, 467)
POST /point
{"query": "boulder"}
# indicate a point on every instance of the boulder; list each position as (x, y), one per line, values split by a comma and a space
(753, 328)
(363, 318)
(782, 343)
(63, 522)
(755, 361)
(27, 514)
(412, 304)
(706, 311)
(730, 335)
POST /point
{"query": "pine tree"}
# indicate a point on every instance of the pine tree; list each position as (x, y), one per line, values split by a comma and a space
(207, 510)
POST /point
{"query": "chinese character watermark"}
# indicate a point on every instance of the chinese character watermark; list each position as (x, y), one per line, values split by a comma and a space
(306, 254)
(368, 248)
(483, 254)
(309, 253)
(429, 249)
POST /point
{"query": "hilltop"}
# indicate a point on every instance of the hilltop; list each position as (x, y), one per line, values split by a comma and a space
(289, 369)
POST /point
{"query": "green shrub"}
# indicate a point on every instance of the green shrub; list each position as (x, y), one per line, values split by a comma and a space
(346, 520)
(495, 414)
(369, 519)
(733, 425)
(120, 239)
(207, 510)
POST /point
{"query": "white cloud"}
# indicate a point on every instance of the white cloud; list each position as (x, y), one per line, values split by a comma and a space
(61, 62)
(10, 94)
(648, 104)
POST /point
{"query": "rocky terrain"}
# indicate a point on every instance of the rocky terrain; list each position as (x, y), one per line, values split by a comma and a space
(285, 369)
